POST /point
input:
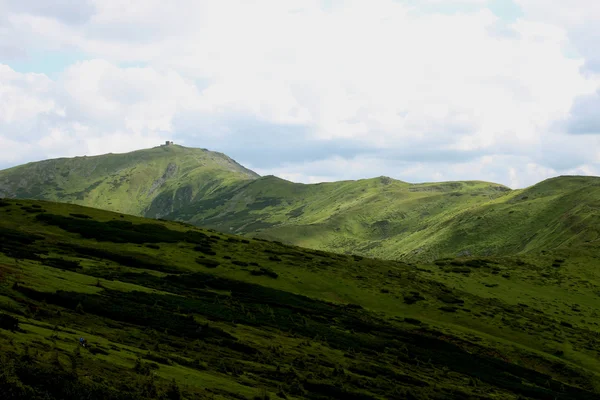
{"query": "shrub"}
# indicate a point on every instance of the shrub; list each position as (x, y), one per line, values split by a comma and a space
(173, 392)
(264, 271)
(9, 322)
(205, 250)
(240, 263)
(97, 350)
(82, 216)
(461, 270)
(60, 263)
(208, 263)
(448, 309)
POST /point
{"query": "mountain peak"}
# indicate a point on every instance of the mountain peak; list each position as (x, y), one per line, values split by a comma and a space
(133, 182)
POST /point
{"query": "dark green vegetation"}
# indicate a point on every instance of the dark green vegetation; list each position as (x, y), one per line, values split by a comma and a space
(378, 217)
(171, 311)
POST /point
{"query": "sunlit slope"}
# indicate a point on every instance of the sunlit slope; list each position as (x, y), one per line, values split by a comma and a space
(392, 219)
(147, 182)
(559, 213)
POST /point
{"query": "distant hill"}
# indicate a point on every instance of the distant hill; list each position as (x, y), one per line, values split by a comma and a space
(385, 218)
(379, 217)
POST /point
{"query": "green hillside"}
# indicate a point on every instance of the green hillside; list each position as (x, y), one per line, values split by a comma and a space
(390, 219)
(172, 311)
(379, 217)
(129, 183)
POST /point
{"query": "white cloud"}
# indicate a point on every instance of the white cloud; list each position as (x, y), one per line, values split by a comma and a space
(580, 20)
(378, 76)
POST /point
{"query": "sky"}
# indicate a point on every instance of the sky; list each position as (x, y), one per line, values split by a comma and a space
(506, 91)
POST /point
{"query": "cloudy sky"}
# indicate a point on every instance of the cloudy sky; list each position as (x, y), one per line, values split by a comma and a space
(310, 90)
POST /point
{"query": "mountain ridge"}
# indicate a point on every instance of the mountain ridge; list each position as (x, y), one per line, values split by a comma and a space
(378, 217)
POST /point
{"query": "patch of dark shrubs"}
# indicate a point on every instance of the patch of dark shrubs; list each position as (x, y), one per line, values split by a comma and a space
(118, 231)
(4, 204)
(61, 263)
(264, 271)
(208, 263)
(240, 263)
(448, 309)
(8, 235)
(136, 308)
(450, 299)
(274, 258)
(157, 358)
(413, 297)
(153, 246)
(82, 216)
(566, 324)
(205, 250)
(97, 350)
(135, 260)
(33, 209)
(476, 263)
(8, 322)
(460, 270)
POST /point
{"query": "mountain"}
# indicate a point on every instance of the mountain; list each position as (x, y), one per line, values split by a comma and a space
(379, 217)
(129, 183)
(171, 311)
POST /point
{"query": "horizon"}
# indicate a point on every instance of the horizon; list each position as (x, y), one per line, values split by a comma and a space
(311, 183)
(502, 91)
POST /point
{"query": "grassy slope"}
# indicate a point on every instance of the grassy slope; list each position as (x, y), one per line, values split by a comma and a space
(497, 328)
(146, 182)
(391, 219)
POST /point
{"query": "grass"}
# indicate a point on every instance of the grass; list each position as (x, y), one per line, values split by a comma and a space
(168, 308)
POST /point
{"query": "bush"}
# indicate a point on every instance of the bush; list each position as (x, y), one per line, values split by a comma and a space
(82, 216)
(173, 392)
(204, 249)
(240, 263)
(60, 263)
(118, 231)
(208, 263)
(264, 271)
